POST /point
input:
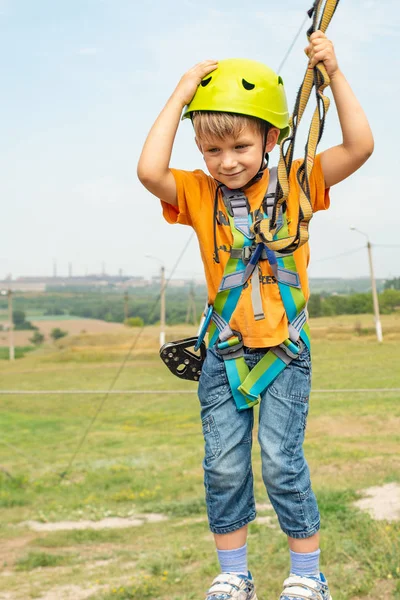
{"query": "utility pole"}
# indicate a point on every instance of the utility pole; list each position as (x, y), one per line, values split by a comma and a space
(126, 305)
(11, 331)
(162, 308)
(378, 325)
(11, 351)
(191, 310)
(162, 298)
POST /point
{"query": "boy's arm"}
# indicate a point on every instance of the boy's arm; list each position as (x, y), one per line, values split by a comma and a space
(153, 167)
(358, 143)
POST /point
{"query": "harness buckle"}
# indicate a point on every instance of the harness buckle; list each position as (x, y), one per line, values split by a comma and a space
(235, 201)
(247, 253)
(231, 345)
(292, 349)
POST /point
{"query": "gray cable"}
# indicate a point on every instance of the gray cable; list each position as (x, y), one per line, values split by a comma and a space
(116, 377)
(292, 44)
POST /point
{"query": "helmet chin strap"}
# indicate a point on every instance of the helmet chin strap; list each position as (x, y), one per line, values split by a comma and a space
(264, 162)
(265, 155)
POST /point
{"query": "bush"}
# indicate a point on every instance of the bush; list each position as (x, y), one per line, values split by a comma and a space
(389, 301)
(37, 338)
(134, 322)
(18, 317)
(19, 321)
(57, 333)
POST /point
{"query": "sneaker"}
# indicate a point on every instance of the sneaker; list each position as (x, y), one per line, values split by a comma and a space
(229, 586)
(305, 588)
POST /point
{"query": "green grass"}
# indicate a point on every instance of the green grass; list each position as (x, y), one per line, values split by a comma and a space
(19, 351)
(144, 455)
(36, 560)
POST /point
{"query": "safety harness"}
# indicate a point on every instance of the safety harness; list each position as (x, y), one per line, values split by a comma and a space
(267, 238)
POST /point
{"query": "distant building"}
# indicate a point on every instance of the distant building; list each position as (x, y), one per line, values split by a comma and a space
(41, 284)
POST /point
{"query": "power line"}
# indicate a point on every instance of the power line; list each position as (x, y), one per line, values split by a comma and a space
(338, 255)
(292, 44)
(159, 392)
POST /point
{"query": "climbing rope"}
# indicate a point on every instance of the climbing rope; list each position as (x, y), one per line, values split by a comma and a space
(267, 229)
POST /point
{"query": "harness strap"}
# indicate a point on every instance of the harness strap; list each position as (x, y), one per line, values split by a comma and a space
(237, 206)
(256, 296)
(246, 253)
(246, 385)
(266, 229)
(228, 295)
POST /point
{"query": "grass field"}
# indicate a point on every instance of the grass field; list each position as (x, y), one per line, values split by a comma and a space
(143, 457)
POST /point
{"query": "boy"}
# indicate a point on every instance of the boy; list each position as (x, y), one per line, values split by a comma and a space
(235, 135)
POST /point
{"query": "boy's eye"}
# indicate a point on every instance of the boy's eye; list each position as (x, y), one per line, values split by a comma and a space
(212, 150)
(241, 146)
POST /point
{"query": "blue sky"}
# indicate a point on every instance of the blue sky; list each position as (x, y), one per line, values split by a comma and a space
(82, 82)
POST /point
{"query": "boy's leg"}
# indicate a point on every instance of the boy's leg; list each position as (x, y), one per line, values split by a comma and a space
(282, 423)
(228, 476)
(230, 541)
(228, 479)
(304, 556)
(232, 551)
(283, 416)
(310, 544)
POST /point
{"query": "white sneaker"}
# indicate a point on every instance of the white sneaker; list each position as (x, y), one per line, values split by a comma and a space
(229, 586)
(296, 587)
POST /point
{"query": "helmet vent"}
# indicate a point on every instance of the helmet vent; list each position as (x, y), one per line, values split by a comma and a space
(205, 81)
(247, 85)
(280, 80)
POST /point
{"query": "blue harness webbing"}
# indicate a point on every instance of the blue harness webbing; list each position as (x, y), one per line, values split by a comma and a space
(247, 385)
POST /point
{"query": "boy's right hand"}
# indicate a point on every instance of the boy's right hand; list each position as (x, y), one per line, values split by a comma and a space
(153, 168)
(187, 86)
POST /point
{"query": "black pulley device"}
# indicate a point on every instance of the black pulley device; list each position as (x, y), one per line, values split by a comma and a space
(182, 359)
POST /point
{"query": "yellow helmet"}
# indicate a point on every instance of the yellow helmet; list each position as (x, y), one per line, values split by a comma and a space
(245, 87)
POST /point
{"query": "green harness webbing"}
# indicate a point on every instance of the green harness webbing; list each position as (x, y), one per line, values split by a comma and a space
(247, 385)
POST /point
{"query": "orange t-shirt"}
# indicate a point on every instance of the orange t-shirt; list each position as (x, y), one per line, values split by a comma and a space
(195, 194)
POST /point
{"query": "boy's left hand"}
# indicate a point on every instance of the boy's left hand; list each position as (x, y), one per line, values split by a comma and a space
(321, 49)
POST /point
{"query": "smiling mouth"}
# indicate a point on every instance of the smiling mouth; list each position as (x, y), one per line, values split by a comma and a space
(231, 174)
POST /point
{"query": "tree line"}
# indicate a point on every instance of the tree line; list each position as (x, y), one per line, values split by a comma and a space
(353, 304)
(144, 308)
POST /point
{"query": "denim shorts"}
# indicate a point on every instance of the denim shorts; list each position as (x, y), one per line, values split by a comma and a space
(228, 475)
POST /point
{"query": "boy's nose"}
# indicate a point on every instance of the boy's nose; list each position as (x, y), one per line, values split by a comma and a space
(228, 161)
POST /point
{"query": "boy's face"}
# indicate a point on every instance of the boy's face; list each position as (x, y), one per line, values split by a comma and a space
(235, 161)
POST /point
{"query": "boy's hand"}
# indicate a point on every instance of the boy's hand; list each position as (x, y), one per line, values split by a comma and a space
(321, 49)
(189, 83)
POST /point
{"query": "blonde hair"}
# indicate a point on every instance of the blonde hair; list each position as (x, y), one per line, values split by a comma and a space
(208, 125)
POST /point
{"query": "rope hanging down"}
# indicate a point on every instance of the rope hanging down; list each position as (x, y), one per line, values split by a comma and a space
(266, 229)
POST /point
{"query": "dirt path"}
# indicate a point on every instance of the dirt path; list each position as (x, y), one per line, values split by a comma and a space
(109, 523)
(381, 502)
